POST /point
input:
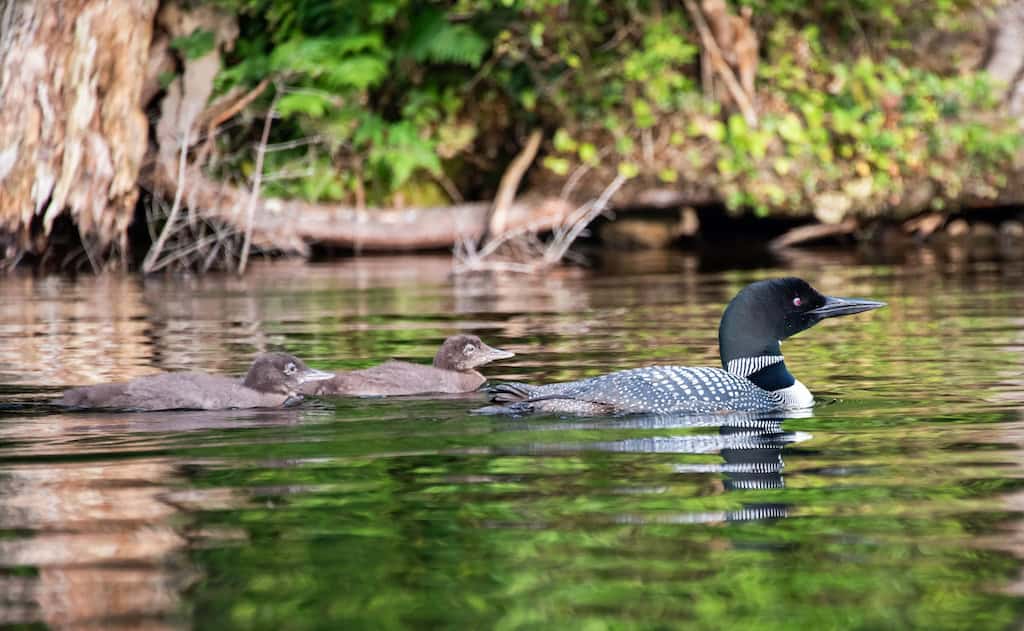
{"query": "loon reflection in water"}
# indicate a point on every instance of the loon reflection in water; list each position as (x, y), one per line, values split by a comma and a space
(755, 377)
(750, 445)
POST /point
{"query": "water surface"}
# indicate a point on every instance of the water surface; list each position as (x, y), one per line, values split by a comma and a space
(896, 504)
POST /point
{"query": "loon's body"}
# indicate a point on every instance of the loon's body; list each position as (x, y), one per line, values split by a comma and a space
(754, 378)
(651, 390)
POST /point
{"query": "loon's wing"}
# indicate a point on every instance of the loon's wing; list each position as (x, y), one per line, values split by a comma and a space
(512, 392)
(656, 389)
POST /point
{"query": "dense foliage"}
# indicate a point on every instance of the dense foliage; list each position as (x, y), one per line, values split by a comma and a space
(392, 100)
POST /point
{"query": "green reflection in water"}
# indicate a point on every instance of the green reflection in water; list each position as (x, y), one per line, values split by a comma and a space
(896, 506)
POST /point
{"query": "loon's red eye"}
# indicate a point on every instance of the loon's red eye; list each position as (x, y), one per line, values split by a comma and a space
(797, 302)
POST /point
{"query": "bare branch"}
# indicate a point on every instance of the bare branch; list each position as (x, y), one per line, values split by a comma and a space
(257, 181)
(721, 67)
(510, 183)
(149, 263)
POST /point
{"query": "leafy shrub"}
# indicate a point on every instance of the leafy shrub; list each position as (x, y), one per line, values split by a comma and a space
(396, 97)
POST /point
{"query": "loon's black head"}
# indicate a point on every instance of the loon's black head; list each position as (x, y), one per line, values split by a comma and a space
(768, 311)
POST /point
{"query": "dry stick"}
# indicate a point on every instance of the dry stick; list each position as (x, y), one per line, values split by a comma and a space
(88, 251)
(149, 263)
(470, 259)
(472, 252)
(257, 180)
(187, 251)
(495, 266)
(211, 128)
(723, 69)
(578, 173)
(509, 184)
(804, 234)
(449, 187)
(560, 245)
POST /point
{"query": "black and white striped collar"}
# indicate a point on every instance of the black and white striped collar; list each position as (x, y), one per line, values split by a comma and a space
(746, 366)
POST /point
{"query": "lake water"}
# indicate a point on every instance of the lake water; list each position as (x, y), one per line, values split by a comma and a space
(897, 504)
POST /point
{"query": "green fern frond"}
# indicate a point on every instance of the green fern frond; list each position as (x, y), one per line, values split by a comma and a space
(433, 39)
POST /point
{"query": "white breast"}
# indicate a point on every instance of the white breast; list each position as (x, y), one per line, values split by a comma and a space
(796, 396)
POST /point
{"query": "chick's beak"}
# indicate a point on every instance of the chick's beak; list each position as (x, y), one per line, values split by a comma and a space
(493, 354)
(312, 374)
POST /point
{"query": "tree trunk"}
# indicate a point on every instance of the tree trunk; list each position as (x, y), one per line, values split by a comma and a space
(1006, 58)
(72, 132)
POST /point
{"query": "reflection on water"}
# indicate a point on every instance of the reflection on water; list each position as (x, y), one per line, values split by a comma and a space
(101, 543)
(895, 505)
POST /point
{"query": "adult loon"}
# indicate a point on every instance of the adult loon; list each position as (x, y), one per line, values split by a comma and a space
(755, 377)
(454, 371)
(273, 380)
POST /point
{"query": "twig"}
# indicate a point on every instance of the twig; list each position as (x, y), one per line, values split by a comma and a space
(257, 180)
(560, 244)
(525, 253)
(360, 191)
(721, 67)
(154, 252)
(186, 251)
(285, 174)
(88, 251)
(294, 144)
(574, 178)
(449, 187)
(215, 122)
(495, 266)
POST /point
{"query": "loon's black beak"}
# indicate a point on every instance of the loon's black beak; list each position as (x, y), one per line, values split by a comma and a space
(844, 306)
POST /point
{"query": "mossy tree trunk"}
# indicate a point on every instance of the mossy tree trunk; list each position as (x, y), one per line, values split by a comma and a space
(72, 130)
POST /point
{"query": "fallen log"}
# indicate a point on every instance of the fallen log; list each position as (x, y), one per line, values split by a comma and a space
(291, 225)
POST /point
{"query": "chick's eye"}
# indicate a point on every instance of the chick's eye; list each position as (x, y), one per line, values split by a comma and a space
(289, 369)
(797, 302)
(469, 350)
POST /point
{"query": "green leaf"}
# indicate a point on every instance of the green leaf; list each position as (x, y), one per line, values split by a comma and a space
(588, 153)
(559, 166)
(537, 34)
(791, 129)
(165, 78)
(361, 71)
(715, 130)
(563, 141)
(309, 103)
(628, 170)
(434, 39)
(528, 98)
(196, 45)
(642, 114)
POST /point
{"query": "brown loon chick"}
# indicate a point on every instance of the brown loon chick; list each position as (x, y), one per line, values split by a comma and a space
(273, 380)
(454, 371)
(755, 377)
